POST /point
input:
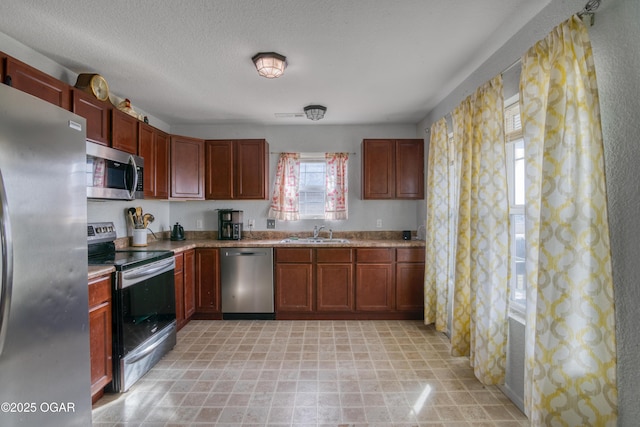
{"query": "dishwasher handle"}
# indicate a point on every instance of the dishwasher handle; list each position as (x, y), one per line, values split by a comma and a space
(233, 253)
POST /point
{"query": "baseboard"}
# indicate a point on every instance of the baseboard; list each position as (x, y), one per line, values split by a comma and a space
(512, 396)
(248, 316)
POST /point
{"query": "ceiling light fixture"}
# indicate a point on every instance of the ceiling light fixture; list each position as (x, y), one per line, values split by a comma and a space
(315, 112)
(270, 64)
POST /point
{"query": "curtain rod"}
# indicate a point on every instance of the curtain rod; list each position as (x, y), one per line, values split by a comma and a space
(588, 10)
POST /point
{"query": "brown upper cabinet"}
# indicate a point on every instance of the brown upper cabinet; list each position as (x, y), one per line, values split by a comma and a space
(154, 147)
(187, 168)
(97, 113)
(124, 131)
(3, 65)
(33, 81)
(237, 169)
(393, 169)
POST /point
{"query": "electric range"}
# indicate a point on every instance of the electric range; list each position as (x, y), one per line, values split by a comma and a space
(143, 296)
(101, 238)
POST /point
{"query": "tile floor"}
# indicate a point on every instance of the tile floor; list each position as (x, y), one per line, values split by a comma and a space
(309, 373)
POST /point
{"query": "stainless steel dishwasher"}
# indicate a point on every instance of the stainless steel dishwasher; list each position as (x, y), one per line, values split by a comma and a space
(247, 283)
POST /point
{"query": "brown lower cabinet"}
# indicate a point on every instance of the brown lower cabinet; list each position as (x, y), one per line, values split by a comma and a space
(315, 283)
(334, 280)
(185, 287)
(207, 284)
(375, 279)
(294, 280)
(100, 335)
(349, 283)
(410, 279)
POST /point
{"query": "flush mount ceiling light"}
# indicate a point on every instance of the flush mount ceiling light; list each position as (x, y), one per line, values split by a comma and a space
(315, 112)
(270, 64)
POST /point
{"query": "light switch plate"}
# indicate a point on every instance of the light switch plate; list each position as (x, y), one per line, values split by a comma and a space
(271, 223)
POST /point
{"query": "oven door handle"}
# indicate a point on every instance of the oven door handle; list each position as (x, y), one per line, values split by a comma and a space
(144, 272)
(6, 264)
(144, 353)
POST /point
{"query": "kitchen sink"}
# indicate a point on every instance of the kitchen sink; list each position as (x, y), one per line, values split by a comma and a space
(318, 240)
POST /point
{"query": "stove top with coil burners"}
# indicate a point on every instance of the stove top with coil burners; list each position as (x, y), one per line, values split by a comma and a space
(102, 250)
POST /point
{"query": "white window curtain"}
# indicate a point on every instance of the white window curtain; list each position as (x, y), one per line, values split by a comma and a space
(479, 327)
(570, 349)
(284, 201)
(335, 207)
(438, 245)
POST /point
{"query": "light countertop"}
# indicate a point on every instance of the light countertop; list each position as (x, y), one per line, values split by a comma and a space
(207, 242)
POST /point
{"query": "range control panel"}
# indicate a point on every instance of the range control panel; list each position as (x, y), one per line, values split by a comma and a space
(98, 232)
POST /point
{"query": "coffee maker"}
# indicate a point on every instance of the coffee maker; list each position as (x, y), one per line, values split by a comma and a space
(229, 224)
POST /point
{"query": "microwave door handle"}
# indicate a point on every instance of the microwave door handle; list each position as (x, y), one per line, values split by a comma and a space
(6, 264)
(133, 171)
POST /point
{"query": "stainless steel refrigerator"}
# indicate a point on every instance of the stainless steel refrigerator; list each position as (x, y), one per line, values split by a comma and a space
(44, 338)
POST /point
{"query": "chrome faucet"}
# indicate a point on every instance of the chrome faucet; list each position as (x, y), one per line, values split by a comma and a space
(316, 231)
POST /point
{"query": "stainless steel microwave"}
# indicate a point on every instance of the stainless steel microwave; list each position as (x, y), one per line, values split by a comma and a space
(113, 174)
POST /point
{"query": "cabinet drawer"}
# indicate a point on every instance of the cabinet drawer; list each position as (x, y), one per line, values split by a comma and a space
(378, 255)
(99, 291)
(410, 255)
(293, 255)
(334, 255)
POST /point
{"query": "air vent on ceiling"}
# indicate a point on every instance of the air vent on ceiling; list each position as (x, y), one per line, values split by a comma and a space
(288, 115)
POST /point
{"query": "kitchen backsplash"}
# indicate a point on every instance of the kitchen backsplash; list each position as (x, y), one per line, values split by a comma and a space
(124, 242)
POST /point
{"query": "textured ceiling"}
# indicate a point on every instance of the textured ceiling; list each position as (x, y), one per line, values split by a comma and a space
(187, 61)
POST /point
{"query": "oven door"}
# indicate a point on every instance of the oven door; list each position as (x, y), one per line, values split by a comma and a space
(145, 303)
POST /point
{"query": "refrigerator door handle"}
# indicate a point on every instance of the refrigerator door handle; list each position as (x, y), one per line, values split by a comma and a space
(6, 264)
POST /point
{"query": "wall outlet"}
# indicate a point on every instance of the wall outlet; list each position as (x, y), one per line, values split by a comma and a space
(378, 223)
(271, 223)
(198, 224)
(252, 223)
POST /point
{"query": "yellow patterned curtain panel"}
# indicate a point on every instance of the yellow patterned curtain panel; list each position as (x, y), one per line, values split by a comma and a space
(570, 350)
(438, 244)
(479, 327)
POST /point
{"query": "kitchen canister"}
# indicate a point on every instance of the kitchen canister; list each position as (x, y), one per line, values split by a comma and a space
(139, 237)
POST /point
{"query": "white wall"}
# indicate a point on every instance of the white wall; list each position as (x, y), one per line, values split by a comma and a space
(616, 49)
(363, 214)
(615, 40)
(395, 215)
(35, 59)
(115, 211)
